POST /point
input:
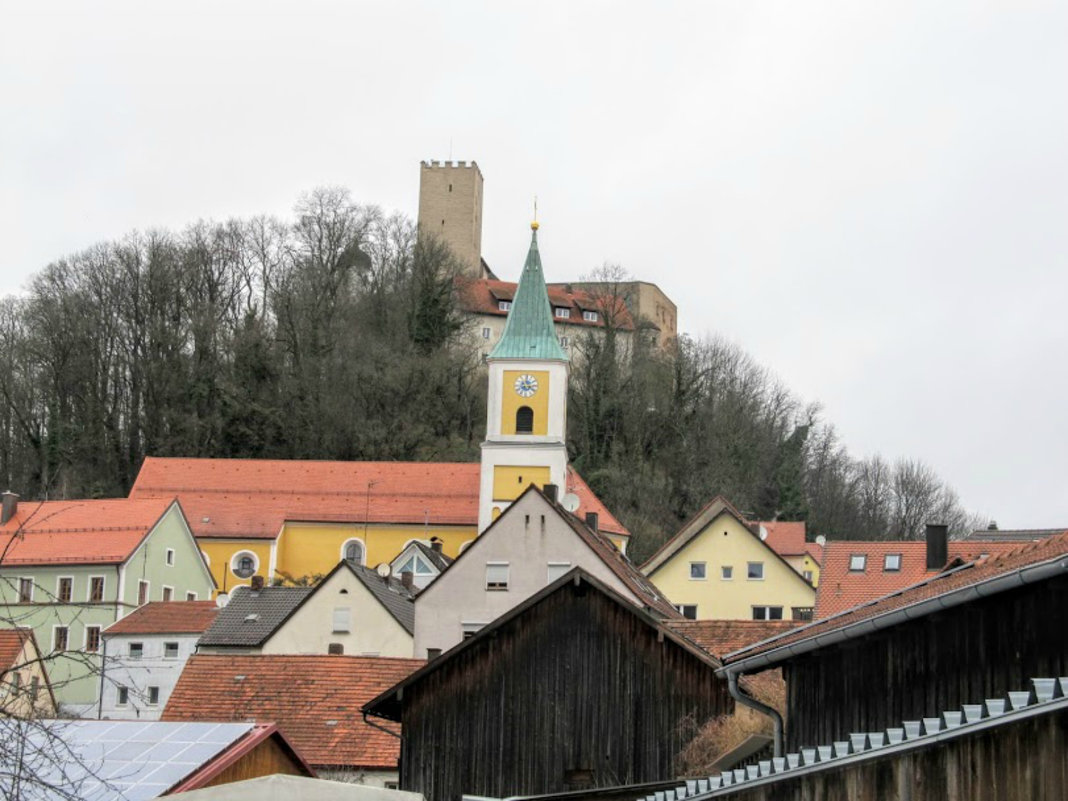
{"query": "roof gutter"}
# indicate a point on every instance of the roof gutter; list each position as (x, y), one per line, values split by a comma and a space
(752, 703)
(1017, 578)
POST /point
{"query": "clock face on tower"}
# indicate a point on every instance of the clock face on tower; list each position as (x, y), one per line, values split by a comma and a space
(526, 385)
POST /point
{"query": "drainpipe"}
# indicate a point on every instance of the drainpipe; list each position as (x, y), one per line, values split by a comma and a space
(764, 709)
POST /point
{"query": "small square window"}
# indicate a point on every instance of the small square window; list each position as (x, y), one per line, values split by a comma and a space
(857, 562)
(170, 650)
(807, 575)
(892, 562)
(504, 305)
(698, 571)
(485, 333)
(726, 572)
(342, 620)
(137, 650)
(170, 557)
(123, 696)
(689, 611)
(496, 575)
(168, 593)
(190, 596)
(470, 629)
(153, 696)
(755, 571)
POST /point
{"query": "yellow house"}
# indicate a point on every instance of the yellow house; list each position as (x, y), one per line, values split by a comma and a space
(718, 568)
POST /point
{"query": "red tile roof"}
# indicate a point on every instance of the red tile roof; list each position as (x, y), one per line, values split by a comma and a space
(840, 588)
(167, 617)
(12, 642)
(933, 586)
(787, 538)
(252, 498)
(315, 700)
(720, 637)
(80, 532)
(483, 296)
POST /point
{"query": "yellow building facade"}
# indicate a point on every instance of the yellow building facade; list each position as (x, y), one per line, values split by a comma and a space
(717, 568)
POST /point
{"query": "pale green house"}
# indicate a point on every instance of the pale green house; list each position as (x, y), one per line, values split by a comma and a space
(69, 569)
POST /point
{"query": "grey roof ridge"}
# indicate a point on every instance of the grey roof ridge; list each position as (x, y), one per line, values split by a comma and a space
(991, 585)
(907, 743)
(305, 592)
(366, 576)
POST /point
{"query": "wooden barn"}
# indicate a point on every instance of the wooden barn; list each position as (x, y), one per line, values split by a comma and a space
(978, 630)
(574, 688)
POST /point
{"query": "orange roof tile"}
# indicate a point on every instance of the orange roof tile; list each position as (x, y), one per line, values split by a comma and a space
(935, 585)
(80, 532)
(252, 498)
(167, 617)
(12, 642)
(315, 700)
(483, 296)
(720, 637)
(841, 588)
(785, 538)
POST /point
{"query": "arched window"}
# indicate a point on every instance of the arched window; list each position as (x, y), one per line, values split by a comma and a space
(353, 552)
(524, 420)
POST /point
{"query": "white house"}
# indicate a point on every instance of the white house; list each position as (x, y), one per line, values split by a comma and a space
(145, 653)
(532, 543)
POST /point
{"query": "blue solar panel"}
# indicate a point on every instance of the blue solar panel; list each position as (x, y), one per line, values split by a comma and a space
(132, 760)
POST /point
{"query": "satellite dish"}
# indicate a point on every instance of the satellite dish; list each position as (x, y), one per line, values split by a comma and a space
(383, 570)
(222, 599)
(570, 502)
(763, 533)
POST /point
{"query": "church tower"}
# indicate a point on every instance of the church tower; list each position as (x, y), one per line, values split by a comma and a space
(526, 422)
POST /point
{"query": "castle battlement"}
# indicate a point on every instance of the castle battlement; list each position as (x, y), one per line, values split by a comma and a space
(449, 165)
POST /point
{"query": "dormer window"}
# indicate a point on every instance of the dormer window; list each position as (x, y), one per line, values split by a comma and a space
(589, 316)
(504, 305)
(563, 313)
(892, 562)
(857, 562)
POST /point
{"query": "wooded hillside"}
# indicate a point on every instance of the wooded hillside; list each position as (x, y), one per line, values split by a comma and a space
(335, 335)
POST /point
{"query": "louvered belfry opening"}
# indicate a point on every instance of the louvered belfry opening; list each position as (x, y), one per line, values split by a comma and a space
(524, 420)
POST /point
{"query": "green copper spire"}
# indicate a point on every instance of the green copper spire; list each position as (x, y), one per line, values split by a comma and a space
(529, 332)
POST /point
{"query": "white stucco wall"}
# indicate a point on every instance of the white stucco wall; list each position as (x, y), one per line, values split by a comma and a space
(153, 669)
(459, 595)
(373, 631)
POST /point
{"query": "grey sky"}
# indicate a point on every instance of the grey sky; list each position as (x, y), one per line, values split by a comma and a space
(871, 198)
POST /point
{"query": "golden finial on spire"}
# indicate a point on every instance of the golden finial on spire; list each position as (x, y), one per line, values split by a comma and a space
(534, 225)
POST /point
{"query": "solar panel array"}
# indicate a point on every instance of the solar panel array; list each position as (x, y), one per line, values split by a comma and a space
(96, 760)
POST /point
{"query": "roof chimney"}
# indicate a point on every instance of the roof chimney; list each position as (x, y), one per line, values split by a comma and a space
(592, 520)
(257, 583)
(937, 546)
(436, 543)
(11, 505)
(550, 492)
(406, 579)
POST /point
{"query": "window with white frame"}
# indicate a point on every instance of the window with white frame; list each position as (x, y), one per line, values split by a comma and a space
(688, 611)
(25, 590)
(485, 333)
(564, 342)
(767, 613)
(469, 630)
(96, 589)
(153, 696)
(353, 551)
(92, 639)
(698, 571)
(857, 562)
(168, 593)
(64, 589)
(122, 696)
(504, 305)
(60, 638)
(190, 596)
(142, 592)
(562, 313)
(755, 571)
(726, 572)
(807, 575)
(342, 620)
(557, 570)
(496, 575)
(170, 557)
(136, 650)
(892, 562)
(170, 650)
(589, 316)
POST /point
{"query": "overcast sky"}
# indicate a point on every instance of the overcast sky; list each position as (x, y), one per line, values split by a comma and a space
(870, 198)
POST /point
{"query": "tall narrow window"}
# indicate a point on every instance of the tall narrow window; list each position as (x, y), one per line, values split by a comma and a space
(65, 590)
(59, 638)
(25, 590)
(92, 639)
(524, 420)
(142, 592)
(353, 552)
(168, 593)
(96, 589)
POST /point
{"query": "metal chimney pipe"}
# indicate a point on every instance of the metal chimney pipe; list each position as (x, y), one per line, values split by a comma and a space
(10, 506)
(937, 546)
(550, 492)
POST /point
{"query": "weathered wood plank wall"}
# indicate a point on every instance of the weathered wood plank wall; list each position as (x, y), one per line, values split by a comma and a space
(576, 690)
(922, 667)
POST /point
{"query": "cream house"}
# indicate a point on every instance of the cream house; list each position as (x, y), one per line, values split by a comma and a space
(531, 544)
(25, 691)
(719, 568)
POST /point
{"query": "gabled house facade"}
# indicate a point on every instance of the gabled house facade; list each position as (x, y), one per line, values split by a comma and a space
(576, 687)
(424, 560)
(530, 545)
(717, 567)
(72, 568)
(143, 655)
(25, 691)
